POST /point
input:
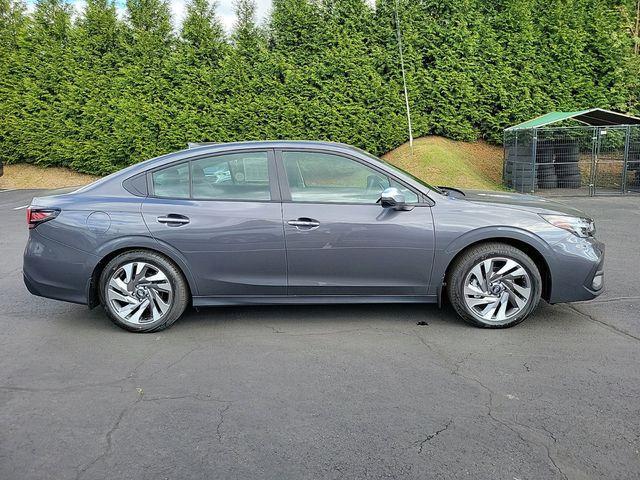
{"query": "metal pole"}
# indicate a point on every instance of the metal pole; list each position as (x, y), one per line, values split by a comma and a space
(625, 158)
(534, 151)
(516, 163)
(594, 161)
(504, 158)
(404, 77)
(637, 45)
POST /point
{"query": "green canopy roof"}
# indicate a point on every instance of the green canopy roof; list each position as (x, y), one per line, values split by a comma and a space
(594, 116)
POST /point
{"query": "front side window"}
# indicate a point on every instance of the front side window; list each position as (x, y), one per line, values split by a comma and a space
(172, 181)
(324, 177)
(233, 176)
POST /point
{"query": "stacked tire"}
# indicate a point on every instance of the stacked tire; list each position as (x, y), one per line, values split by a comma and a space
(633, 169)
(524, 179)
(545, 170)
(566, 167)
(518, 173)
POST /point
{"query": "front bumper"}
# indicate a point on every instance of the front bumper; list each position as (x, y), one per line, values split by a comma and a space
(578, 271)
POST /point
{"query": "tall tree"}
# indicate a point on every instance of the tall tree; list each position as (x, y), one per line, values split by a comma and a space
(250, 104)
(46, 59)
(13, 25)
(143, 123)
(195, 96)
(105, 91)
(92, 101)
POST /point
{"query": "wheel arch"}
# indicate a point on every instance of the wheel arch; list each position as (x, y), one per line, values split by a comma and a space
(532, 246)
(107, 253)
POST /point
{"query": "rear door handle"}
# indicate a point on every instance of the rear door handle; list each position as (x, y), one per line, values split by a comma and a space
(174, 220)
(304, 223)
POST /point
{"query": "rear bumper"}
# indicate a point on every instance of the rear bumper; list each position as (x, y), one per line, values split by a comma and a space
(53, 270)
(578, 274)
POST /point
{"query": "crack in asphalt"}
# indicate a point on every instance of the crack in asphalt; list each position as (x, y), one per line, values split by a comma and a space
(614, 299)
(176, 362)
(505, 423)
(457, 365)
(194, 396)
(603, 323)
(550, 433)
(433, 435)
(219, 426)
(81, 470)
(131, 375)
(151, 351)
(489, 405)
(108, 436)
(313, 334)
(276, 330)
(71, 388)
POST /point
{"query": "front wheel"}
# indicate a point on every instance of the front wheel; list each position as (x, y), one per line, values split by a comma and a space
(494, 285)
(143, 291)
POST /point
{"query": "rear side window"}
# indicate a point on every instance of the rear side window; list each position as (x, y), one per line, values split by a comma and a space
(172, 181)
(234, 176)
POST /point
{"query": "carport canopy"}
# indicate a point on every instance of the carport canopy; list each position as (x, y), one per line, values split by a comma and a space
(596, 117)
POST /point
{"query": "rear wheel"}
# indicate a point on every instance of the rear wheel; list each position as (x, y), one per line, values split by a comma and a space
(494, 285)
(143, 291)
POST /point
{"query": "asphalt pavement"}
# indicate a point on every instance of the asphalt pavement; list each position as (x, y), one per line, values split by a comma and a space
(323, 392)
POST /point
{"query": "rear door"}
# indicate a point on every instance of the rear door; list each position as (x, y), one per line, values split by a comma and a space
(339, 240)
(223, 213)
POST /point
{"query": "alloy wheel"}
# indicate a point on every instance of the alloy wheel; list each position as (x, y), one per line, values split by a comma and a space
(139, 293)
(497, 289)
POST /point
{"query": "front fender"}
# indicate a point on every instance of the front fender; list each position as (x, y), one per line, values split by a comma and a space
(446, 252)
(496, 233)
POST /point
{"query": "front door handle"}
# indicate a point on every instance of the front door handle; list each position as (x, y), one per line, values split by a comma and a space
(174, 220)
(304, 223)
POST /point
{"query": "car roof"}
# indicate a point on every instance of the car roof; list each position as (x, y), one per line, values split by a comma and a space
(270, 144)
(210, 147)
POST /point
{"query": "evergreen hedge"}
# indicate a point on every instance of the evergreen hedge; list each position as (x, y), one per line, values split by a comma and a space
(96, 92)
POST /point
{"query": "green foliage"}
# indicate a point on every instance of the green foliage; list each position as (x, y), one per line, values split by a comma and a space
(96, 92)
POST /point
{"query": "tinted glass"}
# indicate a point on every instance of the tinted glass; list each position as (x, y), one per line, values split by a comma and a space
(323, 177)
(235, 176)
(172, 181)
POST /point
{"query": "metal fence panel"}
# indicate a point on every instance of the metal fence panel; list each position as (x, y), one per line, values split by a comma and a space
(632, 175)
(609, 165)
(572, 161)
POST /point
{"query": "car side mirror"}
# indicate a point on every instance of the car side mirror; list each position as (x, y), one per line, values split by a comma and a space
(392, 198)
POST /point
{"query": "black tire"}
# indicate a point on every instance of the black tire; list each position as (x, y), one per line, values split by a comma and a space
(547, 176)
(175, 277)
(567, 170)
(544, 155)
(526, 186)
(571, 181)
(467, 260)
(547, 183)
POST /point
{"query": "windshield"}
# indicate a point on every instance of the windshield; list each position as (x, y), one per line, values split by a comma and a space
(401, 171)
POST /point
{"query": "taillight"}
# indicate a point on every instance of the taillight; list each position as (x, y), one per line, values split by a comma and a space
(36, 216)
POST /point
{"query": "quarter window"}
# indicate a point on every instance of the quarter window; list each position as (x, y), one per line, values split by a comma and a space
(324, 177)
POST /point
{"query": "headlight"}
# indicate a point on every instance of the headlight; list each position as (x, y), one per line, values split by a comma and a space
(579, 226)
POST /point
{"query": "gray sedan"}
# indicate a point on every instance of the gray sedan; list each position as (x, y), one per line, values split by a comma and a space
(302, 222)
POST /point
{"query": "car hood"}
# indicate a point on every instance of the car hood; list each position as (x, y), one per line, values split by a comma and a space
(518, 201)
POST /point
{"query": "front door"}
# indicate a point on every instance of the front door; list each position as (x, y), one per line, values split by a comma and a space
(223, 214)
(340, 241)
